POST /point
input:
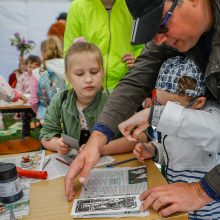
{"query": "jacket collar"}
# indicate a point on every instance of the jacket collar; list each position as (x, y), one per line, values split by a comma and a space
(90, 110)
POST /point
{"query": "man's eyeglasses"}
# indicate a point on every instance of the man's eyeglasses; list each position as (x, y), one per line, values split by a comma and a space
(163, 27)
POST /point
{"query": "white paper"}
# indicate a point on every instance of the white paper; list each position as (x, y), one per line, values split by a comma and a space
(113, 206)
(112, 192)
(115, 181)
(56, 169)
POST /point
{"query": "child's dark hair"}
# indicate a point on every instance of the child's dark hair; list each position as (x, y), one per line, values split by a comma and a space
(33, 59)
(184, 83)
(81, 47)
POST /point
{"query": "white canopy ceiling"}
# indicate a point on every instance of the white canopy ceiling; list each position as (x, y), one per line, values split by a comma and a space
(31, 18)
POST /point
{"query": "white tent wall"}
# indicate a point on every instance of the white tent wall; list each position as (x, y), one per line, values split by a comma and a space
(30, 18)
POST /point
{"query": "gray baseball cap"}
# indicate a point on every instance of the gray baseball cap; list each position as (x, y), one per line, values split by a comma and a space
(147, 15)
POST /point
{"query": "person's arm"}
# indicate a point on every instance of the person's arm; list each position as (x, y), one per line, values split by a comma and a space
(56, 144)
(175, 197)
(52, 121)
(33, 93)
(185, 122)
(9, 94)
(73, 28)
(20, 83)
(118, 146)
(183, 197)
(134, 87)
(123, 102)
(210, 183)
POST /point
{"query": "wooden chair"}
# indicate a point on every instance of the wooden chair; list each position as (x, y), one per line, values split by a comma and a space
(19, 146)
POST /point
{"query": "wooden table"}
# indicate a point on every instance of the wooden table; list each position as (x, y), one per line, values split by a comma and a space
(19, 146)
(48, 201)
(15, 107)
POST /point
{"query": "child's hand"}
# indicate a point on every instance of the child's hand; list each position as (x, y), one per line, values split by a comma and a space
(23, 98)
(141, 153)
(61, 147)
(129, 59)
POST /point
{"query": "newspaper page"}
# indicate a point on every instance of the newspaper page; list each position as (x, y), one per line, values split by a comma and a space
(112, 192)
(20, 208)
(37, 158)
(56, 169)
(115, 181)
(120, 206)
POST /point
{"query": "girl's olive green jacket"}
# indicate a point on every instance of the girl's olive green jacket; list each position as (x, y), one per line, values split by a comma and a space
(62, 115)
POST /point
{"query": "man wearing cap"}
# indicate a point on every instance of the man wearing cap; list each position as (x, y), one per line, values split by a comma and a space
(189, 27)
(190, 141)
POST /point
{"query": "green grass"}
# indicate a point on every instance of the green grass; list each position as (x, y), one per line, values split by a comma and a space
(8, 121)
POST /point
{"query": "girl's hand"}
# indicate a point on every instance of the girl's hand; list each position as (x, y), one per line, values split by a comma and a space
(61, 147)
(141, 153)
(132, 127)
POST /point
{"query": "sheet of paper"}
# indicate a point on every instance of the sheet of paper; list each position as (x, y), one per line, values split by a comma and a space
(115, 181)
(113, 206)
(56, 169)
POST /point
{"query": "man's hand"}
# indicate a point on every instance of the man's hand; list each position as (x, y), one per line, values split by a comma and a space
(84, 162)
(132, 127)
(129, 59)
(175, 197)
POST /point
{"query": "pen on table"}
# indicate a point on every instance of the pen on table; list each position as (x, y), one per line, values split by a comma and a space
(62, 161)
(121, 162)
(45, 164)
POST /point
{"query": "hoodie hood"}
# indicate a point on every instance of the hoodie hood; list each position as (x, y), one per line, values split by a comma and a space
(57, 66)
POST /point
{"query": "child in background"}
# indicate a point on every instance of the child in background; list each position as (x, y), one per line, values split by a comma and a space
(23, 86)
(75, 111)
(23, 81)
(52, 60)
(8, 94)
(190, 127)
(12, 80)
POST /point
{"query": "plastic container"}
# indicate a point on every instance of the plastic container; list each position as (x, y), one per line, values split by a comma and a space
(10, 188)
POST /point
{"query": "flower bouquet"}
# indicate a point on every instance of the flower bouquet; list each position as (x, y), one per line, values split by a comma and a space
(22, 45)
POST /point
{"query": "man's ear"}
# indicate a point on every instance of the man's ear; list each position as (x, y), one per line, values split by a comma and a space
(200, 102)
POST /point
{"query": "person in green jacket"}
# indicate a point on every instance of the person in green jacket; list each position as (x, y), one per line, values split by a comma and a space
(108, 24)
(74, 112)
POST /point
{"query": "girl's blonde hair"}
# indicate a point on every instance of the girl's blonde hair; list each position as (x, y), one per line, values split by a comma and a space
(81, 47)
(51, 48)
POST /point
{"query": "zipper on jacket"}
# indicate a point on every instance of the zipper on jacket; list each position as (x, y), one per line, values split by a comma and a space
(109, 45)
